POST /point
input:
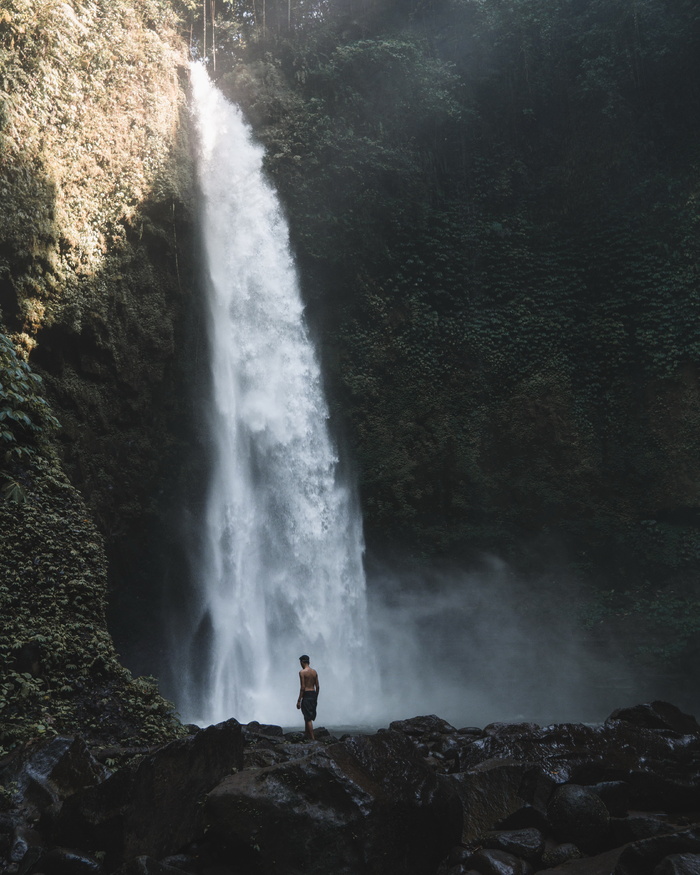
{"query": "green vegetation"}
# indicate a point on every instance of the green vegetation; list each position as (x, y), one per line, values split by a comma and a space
(95, 185)
(495, 208)
(24, 414)
(59, 670)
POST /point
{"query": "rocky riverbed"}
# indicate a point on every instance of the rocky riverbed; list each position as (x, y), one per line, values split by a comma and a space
(418, 798)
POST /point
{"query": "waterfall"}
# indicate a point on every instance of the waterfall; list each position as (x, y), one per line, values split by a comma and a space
(280, 567)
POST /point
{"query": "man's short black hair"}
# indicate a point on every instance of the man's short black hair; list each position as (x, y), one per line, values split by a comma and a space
(304, 658)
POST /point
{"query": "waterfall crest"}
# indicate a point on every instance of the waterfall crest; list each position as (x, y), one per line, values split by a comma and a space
(280, 571)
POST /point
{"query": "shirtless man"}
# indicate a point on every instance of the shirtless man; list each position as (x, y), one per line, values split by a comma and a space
(309, 688)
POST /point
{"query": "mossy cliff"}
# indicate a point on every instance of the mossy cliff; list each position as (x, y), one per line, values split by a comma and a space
(95, 181)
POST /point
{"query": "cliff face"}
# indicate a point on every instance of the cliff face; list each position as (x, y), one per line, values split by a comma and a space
(95, 186)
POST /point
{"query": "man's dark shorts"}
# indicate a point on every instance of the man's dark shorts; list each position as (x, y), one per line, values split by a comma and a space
(308, 705)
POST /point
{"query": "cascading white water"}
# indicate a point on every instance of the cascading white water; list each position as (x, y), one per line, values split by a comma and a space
(281, 571)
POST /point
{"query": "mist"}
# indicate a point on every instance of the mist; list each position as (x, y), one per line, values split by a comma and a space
(489, 645)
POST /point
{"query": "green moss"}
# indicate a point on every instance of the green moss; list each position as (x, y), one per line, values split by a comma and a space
(95, 180)
(59, 667)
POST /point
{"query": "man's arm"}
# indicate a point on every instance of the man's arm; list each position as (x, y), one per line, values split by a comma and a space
(317, 684)
(301, 690)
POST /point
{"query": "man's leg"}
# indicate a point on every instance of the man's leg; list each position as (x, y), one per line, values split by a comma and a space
(310, 730)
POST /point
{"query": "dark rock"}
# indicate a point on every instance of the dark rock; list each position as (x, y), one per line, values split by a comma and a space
(679, 864)
(658, 715)
(527, 817)
(298, 751)
(121, 754)
(261, 758)
(66, 861)
(657, 787)
(368, 804)
(582, 754)
(489, 862)
(48, 771)
(420, 726)
(471, 731)
(23, 838)
(510, 728)
(449, 747)
(641, 858)
(264, 729)
(601, 864)
(183, 862)
(145, 865)
(295, 737)
(151, 807)
(489, 793)
(525, 843)
(615, 795)
(5, 843)
(537, 788)
(255, 741)
(459, 856)
(29, 859)
(636, 827)
(559, 854)
(579, 816)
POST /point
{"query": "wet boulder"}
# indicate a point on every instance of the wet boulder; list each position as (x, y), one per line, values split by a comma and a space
(510, 729)
(615, 796)
(579, 816)
(269, 729)
(458, 856)
(493, 862)
(152, 807)
(669, 785)
(525, 843)
(368, 804)
(260, 758)
(66, 861)
(582, 754)
(23, 839)
(679, 864)
(421, 727)
(183, 862)
(492, 791)
(600, 864)
(144, 865)
(556, 855)
(50, 770)
(527, 817)
(642, 857)
(658, 715)
(624, 830)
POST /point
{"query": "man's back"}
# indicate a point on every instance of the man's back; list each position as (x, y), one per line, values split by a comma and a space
(308, 679)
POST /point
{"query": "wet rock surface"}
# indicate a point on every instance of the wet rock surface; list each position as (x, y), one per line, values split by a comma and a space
(420, 798)
(368, 804)
(152, 807)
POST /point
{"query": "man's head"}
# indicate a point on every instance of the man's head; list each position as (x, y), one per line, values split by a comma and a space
(304, 660)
